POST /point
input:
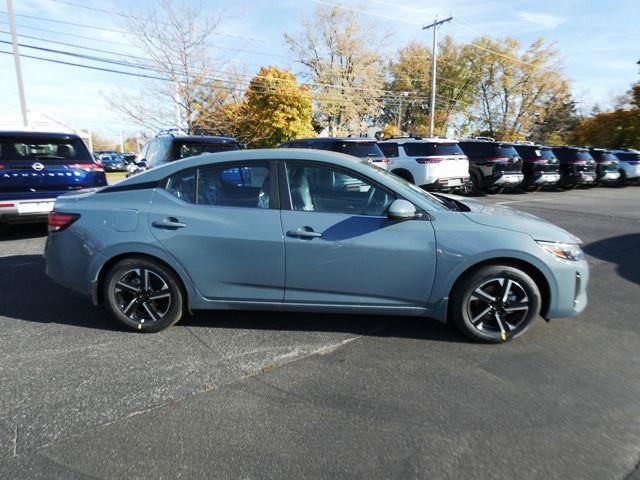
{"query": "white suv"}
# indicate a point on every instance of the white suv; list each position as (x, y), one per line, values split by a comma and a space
(629, 162)
(431, 163)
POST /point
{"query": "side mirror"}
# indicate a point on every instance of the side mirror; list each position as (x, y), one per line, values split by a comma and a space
(401, 210)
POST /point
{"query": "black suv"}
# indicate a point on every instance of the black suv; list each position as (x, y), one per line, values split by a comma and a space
(37, 167)
(540, 166)
(366, 149)
(168, 147)
(577, 167)
(493, 166)
(607, 166)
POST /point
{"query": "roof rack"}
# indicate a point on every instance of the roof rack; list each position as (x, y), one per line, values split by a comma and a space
(401, 137)
(485, 139)
(523, 142)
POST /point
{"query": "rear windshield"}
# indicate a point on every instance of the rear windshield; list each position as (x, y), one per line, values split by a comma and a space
(547, 154)
(358, 149)
(567, 155)
(423, 149)
(191, 149)
(628, 157)
(44, 150)
(506, 151)
(607, 157)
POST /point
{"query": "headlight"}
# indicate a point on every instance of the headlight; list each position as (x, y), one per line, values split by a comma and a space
(566, 251)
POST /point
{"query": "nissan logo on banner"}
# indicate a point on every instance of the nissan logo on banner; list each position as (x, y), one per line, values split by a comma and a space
(37, 166)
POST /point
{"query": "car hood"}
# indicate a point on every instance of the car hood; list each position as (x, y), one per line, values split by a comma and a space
(499, 216)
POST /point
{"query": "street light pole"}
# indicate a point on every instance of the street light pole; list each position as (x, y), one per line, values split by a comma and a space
(16, 59)
(399, 121)
(434, 54)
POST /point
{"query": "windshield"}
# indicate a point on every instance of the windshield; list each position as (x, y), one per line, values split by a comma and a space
(436, 203)
(44, 150)
(359, 149)
(423, 149)
(191, 149)
(584, 156)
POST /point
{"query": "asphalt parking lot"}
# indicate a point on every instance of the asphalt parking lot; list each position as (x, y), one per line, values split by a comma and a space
(270, 395)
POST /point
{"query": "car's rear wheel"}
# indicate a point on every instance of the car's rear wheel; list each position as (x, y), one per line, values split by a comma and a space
(495, 304)
(144, 295)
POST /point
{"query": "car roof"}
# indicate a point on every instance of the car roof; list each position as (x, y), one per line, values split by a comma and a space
(160, 172)
(334, 140)
(401, 140)
(200, 138)
(32, 134)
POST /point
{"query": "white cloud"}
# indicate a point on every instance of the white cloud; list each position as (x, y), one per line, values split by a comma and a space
(544, 21)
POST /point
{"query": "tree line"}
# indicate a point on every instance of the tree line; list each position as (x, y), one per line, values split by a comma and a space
(347, 82)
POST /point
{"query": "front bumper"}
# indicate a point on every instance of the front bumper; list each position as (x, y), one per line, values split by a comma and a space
(571, 278)
(24, 211)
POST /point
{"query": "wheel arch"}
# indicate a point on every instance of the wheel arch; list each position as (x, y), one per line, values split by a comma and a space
(98, 294)
(534, 272)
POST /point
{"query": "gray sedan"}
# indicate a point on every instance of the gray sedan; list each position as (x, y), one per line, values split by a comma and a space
(308, 230)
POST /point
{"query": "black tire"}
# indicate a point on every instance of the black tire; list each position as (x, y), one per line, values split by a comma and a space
(475, 187)
(569, 186)
(622, 181)
(148, 309)
(501, 321)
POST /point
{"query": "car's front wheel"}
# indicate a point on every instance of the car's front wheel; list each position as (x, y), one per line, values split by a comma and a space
(495, 303)
(144, 295)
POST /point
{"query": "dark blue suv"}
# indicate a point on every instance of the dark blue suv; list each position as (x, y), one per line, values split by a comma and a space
(37, 167)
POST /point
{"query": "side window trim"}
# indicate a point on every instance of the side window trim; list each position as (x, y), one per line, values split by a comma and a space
(285, 191)
(271, 165)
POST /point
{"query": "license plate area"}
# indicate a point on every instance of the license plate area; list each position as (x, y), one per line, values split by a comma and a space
(34, 207)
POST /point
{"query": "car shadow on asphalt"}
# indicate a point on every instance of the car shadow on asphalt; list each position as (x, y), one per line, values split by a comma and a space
(26, 293)
(22, 232)
(623, 251)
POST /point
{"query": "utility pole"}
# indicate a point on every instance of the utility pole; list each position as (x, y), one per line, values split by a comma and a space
(121, 141)
(434, 53)
(398, 122)
(16, 59)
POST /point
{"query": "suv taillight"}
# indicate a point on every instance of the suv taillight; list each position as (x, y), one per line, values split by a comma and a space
(60, 221)
(89, 167)
(429, 160)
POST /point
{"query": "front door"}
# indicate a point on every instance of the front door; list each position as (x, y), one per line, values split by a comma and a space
(221, 223)
(342, 249)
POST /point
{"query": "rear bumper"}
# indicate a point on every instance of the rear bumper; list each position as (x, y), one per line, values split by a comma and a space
(547, 178)
(26, 210)
(447, 183)
(609, 177)
(508, 180)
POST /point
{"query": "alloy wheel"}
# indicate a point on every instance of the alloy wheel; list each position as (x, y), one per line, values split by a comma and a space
(142, 295)
(498, 306)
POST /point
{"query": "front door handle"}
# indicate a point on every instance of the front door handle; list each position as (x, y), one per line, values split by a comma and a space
(304, 233)
(169, 223)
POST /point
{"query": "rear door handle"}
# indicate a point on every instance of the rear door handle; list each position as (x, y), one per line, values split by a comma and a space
(169, 224)
(302, 233)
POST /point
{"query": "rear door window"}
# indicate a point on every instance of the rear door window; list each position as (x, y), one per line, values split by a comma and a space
(191, 149)
(234, 186)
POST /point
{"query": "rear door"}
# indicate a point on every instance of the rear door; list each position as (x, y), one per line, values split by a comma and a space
(222, 224)
(342, 249)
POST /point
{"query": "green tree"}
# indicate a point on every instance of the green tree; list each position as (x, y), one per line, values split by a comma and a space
(516, 87)
(275, 109)
(341, 56)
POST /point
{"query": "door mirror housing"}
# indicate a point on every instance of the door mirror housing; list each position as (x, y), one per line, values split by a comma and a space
(401, 210)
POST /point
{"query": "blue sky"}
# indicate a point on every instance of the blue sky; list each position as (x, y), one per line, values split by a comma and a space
(599, 43)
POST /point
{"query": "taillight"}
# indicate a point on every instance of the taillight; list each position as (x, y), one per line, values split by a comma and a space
(429, 160)
(1, 167)
(60, 221)
(6, 205)
(89, 167)
(384, 160)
